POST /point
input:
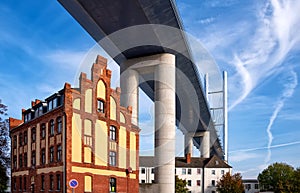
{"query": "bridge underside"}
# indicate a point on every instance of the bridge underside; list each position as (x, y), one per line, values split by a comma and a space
(138, 28)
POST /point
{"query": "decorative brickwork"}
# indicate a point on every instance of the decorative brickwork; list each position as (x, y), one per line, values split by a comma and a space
(78, 133)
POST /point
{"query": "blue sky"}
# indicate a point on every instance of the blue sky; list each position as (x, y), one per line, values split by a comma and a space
(257, 42)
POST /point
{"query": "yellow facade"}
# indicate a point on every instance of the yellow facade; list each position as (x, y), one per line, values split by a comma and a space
(87, 184)
(101, 143)
(133, 151)
(76, 138)
(113, 109)
(122, 118)
(76, 104)
(101, 90)
(122, 147)
(88, 100)
(87, 127)
(87, 155)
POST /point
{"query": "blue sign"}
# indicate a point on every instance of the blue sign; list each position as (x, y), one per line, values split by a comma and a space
(73, 183)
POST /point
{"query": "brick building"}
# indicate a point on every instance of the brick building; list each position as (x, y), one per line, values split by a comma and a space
(77, 133)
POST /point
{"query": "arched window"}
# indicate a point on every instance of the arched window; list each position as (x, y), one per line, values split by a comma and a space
(59, 125)
(51, 129)
(112, 185)
(113, 133)
(43, 131)
(33, 134)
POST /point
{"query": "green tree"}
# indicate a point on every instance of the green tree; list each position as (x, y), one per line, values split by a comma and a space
(296, 180)
(230, 183)
(278, 177)
(4, 148)
(180, 185)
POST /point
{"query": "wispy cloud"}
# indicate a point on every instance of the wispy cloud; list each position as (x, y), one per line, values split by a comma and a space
(275, 37)
(287, 93)
(266, 147)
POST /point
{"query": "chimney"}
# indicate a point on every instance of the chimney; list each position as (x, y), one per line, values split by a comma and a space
(188, 158)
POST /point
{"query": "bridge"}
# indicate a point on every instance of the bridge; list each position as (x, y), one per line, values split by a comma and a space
(146, 38)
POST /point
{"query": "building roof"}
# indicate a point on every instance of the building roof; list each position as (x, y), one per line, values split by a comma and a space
(196, 162)
(250, 181)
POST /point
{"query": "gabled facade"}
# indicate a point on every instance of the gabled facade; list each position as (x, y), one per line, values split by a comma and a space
(201, 174)
(78, 133)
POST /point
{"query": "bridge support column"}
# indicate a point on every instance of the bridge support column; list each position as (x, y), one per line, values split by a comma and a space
(188, 144)
(205, 144)
(129, 83)
(165, 123)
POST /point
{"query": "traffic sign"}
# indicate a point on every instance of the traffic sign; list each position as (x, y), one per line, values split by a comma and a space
(73, 183)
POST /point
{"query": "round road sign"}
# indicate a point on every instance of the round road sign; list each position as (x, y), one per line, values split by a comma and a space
(73, 183)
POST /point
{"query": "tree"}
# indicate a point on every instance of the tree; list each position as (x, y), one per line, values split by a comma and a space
(278, 178)
(3, 179)
(4, 148)
(180, 185)
(230, 183)
(296, 180)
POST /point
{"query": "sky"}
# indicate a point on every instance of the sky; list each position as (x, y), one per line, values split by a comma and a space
(256, 42)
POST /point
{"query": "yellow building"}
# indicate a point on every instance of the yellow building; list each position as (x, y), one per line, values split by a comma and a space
(80, 134)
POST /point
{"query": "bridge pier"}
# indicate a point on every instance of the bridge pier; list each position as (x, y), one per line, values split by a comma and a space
(162, 69)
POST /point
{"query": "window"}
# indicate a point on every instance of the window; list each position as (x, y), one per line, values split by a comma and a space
(247, 186)
(256, 186)
(213, 172)
(33, 134)
(33, 158)
(112, 185)
(20, 161)
(59, 125)
(112, 158)
(51, 182)
(100, 106)
(25, 138)
(15, 141)
(14, 184)
(189, 171)
(58, 182)
(198, 182)
(15, 161)
(51, 154)
(20, 183)
(112, 133)
(143, 181)
(55, 103)
(25, 184)
(198, 171)
(152, 170)
(213, 183)
(50, 105)
(43, 157)
(51, 131)
(20, 139)
(189, 182)
(143, 171)
(183, 171)
(59, 153)
(43, 131)
(25, 159)
(42, 182)
(222, 172)
(213, 191)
